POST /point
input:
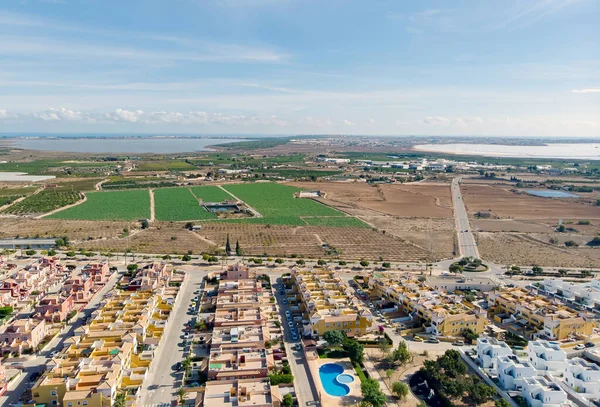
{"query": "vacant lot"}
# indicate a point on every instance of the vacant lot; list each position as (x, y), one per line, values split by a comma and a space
(178, 204)
(506, 204)
(113, 205)
(435, 235)
(507, 248)
(510, 225)
(75, 230)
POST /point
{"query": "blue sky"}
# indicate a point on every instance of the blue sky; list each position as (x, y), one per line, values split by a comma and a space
(392, 67)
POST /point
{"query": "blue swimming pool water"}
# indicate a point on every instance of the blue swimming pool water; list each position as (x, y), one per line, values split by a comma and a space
(345, 378)
(328, 374)
(549, 193)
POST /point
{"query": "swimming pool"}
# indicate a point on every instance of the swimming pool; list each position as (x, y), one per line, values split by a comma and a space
(549, 193)
(329, 374)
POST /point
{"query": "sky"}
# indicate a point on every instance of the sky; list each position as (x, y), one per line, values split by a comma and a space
(381, 67)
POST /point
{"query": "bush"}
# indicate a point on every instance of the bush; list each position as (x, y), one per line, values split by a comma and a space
(364, 263)
(278, 378)
(386, 265)
(186, 257)
(342, 263)
(570, 243)
(30, 252)
(288, 400)
(300, 262)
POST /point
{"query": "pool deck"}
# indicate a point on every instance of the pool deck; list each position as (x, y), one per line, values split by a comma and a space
(355, 395)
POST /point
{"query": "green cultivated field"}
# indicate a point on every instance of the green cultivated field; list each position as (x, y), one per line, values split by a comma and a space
(113, 205)
(178, 204)
(211, 194)
(164, 165)
(43, 202)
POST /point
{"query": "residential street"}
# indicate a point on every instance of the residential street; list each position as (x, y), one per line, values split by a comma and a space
(162, 382)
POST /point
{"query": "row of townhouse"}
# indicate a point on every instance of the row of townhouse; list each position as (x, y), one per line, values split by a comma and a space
(541, 374)
(3, 379)
(328, 304)
(539, 316)
(441, 313)
(112, 354)
(30, 286)
(587, 294)
(239, 362)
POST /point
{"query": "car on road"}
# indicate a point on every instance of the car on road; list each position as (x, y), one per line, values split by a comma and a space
(294, 337)
(53, 353)
(298, 346)
(178, 366)
(590, 344)
(291, 324)
(433, 340)
(579, 347)
(284, 301)
(458, 343)
(417, 338)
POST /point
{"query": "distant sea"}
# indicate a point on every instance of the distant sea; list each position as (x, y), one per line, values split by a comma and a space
(574, 151)
(114, 144)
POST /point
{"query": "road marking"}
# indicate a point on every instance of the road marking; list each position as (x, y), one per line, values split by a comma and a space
(158, 405)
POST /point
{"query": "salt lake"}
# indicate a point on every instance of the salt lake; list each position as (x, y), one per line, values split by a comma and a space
(581, 151)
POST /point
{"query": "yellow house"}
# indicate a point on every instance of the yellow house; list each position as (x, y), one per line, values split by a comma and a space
(328, 304)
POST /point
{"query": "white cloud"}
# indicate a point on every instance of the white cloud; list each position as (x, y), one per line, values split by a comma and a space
(591, 90)
(347, 122)
(3, 113)
(62, 114)
(371, 121)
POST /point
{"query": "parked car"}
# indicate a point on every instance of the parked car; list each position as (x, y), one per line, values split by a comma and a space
(178, 366)
(590, 344)
(294, 337)
(579, 347)
(284, 301)
(458, 343)
(290, 324)
(433, 340)
(298, 346)
(417, 338)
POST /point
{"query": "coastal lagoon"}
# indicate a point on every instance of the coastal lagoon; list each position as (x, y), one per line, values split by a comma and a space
(580, 151)
(134, 145)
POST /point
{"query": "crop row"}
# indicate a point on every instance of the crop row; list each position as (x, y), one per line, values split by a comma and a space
(43, 202)
(112, 205)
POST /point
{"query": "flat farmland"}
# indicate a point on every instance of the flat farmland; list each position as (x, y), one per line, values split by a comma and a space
(178, 204)
(276, 200)
(506, 204)
(414, 201)
(113, 205)
(76, 230)
(210, 194)
(406, 200)
(510, 225)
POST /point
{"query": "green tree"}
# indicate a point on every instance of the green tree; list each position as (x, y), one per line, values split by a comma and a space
(561, 229)
(132, 267)
(238, 249)
(480, 393)
(213, 259)
(279, 261)
(120, 400)
(401, 354)
(228, 246)
(372, 394)
(355, 351)
(469, 335)
(389, 373)
(334, 338)
(321, 262)
(364, 263)
(205, 256)
(501, 403)
(60, 242)
(400, 389)
(181, 395)
(386, 265)
(186, 257)
(145, 224)
(186, 365)
(300, 262)
(562, 272)
(384, 346)
(51, 252)
(70, 253)
(30, 252)
(456, 268)
(342, 263)
(288, 400)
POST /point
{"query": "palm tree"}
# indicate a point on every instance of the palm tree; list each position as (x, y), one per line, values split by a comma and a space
(181, 395)
(120, 400)
(186, 365)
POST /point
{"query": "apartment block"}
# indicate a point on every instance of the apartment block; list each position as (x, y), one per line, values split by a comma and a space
(79, 287)
(239, 363)
(539, 316)
(547, 356)
(22, 335)
(541, 392)
(583, 293)
(489, 349)
(512, 372)
(98, 273)
(150, 277)
(54, 308)
(583, 377)
(441, 313)
(329, 304)
(111, 354)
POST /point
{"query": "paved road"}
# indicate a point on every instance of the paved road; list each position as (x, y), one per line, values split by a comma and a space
(466, 241)
(304, 386)
(162, 383)
(38, 364)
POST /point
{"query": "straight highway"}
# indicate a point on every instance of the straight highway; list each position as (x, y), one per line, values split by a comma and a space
(467, 245)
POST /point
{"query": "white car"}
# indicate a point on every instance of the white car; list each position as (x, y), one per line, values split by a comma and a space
(579, 347)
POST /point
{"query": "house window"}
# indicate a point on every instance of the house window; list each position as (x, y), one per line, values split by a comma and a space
(70, 404)
(54, 402)
(85, 402)
(53, 393)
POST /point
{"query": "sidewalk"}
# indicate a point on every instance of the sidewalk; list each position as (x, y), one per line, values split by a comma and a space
(374, 374)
